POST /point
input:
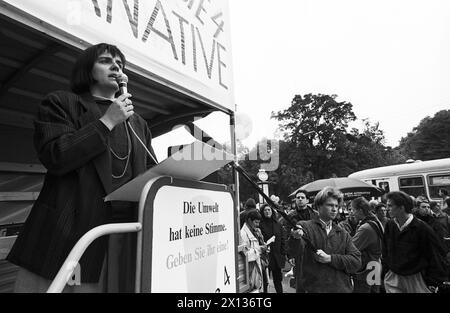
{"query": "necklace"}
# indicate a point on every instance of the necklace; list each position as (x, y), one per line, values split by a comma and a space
(126, 157)
(102, 98)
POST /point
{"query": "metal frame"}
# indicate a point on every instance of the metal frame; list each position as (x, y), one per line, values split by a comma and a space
(71, 262)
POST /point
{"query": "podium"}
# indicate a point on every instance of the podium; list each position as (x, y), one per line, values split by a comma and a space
(189, 238)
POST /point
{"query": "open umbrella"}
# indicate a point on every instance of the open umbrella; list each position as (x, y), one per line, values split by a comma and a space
(350, 187)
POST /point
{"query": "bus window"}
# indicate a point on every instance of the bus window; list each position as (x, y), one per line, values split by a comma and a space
(413, 186)
(384, 185)
(437, 182)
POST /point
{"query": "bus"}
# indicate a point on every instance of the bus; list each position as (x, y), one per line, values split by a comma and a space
(416, 178)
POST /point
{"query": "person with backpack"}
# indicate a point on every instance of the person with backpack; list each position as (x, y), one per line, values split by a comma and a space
(368, 240)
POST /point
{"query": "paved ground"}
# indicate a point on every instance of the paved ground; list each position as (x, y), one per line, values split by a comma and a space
(285, 283)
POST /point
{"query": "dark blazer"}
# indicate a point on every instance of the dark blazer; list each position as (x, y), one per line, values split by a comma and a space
(73, 144)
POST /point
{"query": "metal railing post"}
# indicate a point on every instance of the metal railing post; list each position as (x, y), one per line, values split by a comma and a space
(66, 271)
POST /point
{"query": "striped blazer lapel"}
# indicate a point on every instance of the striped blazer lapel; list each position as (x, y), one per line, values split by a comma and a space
(102, 162)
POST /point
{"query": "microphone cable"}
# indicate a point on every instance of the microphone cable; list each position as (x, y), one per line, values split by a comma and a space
(142, 143)
(122, 81)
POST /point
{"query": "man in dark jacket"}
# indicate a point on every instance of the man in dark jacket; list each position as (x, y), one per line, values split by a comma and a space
(441, 224)
(302, 212)
(430, 213)
(328, 269)
(368, 240)
(413, 257)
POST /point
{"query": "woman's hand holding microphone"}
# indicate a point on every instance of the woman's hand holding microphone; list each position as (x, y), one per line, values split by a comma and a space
(119, 111)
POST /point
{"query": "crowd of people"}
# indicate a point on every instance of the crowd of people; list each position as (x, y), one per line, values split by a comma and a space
(397, 244)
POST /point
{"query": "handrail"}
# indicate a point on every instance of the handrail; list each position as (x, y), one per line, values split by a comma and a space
(66, 270)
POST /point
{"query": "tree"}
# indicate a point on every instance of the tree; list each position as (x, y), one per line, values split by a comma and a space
(316, 126)
(317, 143)
(365, 149)
(249, 162)
(430, 139)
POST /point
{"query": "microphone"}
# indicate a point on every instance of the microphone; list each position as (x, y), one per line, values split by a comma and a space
(122, 81)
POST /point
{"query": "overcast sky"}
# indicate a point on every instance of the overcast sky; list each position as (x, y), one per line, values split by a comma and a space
(389, 58)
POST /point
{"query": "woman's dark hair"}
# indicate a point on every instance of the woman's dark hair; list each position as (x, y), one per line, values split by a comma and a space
(401, 199)
(252, 215)
(261, 211)
(81, 79)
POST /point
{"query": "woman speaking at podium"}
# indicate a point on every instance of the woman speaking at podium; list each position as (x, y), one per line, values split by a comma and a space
(83, 140)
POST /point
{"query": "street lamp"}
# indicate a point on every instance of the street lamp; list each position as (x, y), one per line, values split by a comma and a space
(263, 184)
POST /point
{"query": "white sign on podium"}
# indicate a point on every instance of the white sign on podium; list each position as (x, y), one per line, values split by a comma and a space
(191, 244)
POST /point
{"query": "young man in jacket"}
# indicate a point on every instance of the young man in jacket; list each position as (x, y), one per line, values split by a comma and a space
(328, 269)
(413, 257)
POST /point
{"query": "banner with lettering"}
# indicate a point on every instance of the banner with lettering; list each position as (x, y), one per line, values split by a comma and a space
(185, 43)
